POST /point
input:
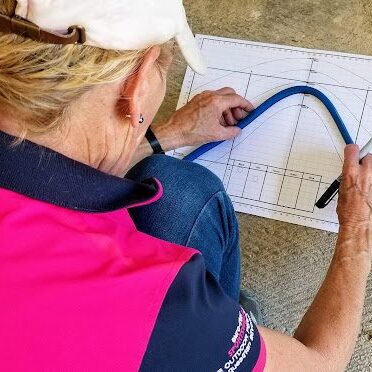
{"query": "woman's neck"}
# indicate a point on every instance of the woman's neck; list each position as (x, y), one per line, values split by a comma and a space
(90, 135)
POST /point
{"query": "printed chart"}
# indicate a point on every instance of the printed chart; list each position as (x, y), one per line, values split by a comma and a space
(284, 161)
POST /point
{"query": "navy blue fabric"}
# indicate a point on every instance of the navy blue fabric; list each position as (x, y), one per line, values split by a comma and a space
(43, 174)
(195, 327)
(198, 320)
(194, 211)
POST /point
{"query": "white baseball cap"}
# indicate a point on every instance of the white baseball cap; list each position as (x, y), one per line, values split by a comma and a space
(118, 24)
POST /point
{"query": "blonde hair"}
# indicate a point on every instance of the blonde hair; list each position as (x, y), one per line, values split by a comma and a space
(40, 81)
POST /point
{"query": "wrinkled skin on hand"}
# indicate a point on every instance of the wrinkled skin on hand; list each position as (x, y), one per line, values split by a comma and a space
(355, 195)
(209, 117)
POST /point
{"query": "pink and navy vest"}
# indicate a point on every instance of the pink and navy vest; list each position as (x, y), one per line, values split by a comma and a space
(81, 289)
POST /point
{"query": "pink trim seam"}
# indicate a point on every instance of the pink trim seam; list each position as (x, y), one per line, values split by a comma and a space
(261, 362)
(155, 198)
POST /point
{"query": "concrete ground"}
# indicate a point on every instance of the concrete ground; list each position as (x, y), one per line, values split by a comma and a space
(284, 264)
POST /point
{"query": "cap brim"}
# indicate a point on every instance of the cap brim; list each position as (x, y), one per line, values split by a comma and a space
(191, 51)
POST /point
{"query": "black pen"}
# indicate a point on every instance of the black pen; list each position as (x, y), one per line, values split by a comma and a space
(332, 190)
(329, 194)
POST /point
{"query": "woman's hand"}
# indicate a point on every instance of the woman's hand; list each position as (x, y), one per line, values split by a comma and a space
(355, 207)
(355, 195)
(209, 117)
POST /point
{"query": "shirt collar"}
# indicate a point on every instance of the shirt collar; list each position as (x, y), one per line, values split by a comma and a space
(41, 173)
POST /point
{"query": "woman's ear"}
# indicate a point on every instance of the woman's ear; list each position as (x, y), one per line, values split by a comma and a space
(137, 86)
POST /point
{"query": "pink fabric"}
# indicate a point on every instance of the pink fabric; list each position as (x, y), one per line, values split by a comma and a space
(78, 291)
(261, 362)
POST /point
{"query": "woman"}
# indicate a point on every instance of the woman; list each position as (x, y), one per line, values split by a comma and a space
(84, 288)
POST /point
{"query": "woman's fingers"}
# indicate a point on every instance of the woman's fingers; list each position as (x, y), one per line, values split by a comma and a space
(229, 118)
(230, 101)
(234, 115)
(238, 113)
(225, 91)
(367, 172)
(357, 172)
(351, 162)
(367, 163)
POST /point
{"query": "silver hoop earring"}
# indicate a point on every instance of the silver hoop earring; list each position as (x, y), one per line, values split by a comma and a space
(142, 119)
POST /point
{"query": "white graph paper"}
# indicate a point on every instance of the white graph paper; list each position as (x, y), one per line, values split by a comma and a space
(284, 161)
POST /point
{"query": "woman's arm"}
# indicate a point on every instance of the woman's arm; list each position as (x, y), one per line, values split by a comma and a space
(327, 335)
(210, 116)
